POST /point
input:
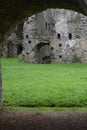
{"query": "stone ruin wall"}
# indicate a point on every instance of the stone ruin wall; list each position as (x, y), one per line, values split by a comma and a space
(53, 36)
(13, 45)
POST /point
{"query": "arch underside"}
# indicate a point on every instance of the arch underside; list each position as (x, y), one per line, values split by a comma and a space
(12, 11)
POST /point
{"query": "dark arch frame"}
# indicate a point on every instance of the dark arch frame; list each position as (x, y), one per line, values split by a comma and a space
(13, 11)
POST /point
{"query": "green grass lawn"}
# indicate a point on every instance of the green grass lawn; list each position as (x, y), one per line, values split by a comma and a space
(44, 85)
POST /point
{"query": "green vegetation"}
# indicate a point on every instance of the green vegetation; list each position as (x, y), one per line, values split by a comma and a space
(76, 59)
(44, 85)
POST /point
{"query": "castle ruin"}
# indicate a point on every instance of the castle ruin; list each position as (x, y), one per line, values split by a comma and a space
(52, 36)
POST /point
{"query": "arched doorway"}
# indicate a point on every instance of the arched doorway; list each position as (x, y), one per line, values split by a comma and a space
(43, 53)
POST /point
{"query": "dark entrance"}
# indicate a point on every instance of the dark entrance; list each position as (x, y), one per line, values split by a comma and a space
(43, 53)
(19, 49)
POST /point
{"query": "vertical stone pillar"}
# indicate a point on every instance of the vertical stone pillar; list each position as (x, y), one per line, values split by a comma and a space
(0, 84)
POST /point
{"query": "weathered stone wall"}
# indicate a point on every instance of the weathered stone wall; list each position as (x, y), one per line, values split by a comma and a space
(15, 10)
(10, 11)
(12, 47)
(72, 28)
(53, 36)
(61, 30)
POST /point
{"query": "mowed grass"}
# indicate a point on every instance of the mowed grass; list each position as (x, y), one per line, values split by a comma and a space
(44, 85)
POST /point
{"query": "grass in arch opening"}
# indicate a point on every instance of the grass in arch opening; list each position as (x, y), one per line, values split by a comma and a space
(43, 85)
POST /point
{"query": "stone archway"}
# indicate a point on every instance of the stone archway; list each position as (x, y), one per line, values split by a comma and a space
(12, 12)
(43, 53)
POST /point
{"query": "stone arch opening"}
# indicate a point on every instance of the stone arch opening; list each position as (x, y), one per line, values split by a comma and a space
(43, 53)
(39, 45)
(19, 49)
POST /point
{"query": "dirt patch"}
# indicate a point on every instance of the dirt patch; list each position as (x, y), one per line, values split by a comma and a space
(27, 120)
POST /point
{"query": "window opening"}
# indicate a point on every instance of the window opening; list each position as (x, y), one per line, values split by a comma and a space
(46, 25)
(70, 36)
(26, 36)
(60, 56)
(58, 36)
(52, 48)
(60, 45)
(29, 42)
